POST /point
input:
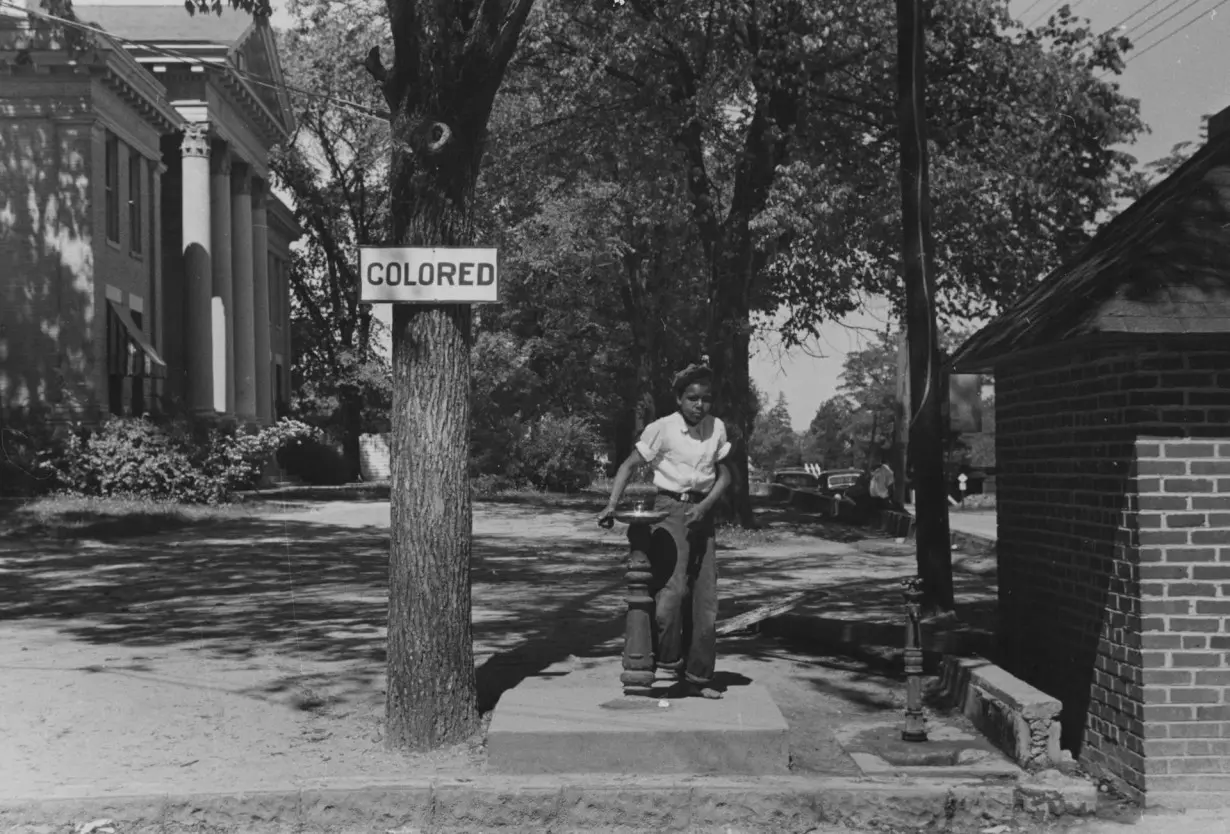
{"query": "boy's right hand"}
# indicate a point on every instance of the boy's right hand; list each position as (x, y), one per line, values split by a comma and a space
(606, 518)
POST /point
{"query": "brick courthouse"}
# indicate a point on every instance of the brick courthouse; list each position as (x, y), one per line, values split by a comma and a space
(143, 261)
(1112, 384)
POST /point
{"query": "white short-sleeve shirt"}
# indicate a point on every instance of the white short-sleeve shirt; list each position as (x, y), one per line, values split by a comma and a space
(683, 460)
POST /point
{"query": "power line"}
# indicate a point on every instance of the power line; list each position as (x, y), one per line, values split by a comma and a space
(1046, 12)
(1146, 5)
(1137, 26)
(1191, 22)
(382, 115)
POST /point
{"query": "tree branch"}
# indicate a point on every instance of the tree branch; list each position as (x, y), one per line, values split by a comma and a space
(375, 68)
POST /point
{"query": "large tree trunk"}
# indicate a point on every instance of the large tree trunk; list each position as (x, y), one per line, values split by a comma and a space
(926, 444)
(432, 696)
(440, 91)
(431, 699)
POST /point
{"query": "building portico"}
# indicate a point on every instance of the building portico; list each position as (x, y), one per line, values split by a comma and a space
(160, 284)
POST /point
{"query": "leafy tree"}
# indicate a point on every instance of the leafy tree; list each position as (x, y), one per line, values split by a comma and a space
(774, 443)
(336, 169)
(869, 385)
(1023, 156)
(778, 118)
(605, 275)
(1159, 169)
(829, 439)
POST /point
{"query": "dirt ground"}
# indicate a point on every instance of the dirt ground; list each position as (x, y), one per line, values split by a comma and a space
(249, 655)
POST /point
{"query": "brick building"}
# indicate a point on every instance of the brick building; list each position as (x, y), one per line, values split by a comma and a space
(143, 260)
(1112, 387)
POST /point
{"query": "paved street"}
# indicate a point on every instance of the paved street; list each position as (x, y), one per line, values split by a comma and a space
(975, 522)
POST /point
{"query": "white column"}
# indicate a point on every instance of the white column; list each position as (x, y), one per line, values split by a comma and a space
(241, 277)
(198, 276)
(223, 308)
(260, 307)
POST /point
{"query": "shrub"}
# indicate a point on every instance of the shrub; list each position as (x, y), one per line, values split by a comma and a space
(317, 462)
(558, 453)
(131, 457)
(27, 439)
(187, 462)
(486, 486)
(236, 459)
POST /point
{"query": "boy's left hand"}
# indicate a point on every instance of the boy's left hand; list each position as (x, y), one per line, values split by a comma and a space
(695, 513)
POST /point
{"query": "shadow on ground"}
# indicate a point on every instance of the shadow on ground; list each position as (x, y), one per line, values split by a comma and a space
(299, 588)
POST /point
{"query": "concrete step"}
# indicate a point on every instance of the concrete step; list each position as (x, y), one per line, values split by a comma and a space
(548, 726)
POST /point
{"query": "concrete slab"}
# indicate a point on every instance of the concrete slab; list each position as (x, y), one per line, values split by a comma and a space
(949, 752)
(549, 726)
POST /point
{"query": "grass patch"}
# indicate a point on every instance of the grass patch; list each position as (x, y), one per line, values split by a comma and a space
(65, 517)
(366, 491)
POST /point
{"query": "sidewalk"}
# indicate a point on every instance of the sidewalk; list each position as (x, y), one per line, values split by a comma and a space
(980, 523)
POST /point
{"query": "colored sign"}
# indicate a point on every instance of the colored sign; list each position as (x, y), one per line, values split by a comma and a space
(428, 275)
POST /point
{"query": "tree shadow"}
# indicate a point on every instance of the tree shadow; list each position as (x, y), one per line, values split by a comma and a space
(49, 317)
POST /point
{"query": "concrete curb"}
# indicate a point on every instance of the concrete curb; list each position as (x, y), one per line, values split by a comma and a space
(767, 804)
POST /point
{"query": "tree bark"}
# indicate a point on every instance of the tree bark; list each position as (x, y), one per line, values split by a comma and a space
(926, 445)
(440, 92)
(432, 697)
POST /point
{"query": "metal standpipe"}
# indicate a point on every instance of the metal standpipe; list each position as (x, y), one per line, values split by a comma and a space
(637, 676)
(915, 721)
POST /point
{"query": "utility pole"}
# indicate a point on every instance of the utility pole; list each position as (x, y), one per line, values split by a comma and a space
(901, 421)
(926, 436)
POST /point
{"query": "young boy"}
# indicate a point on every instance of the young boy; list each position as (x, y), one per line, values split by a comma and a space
(685, 450)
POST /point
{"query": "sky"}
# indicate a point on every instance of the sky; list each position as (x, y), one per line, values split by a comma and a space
(1182, 72)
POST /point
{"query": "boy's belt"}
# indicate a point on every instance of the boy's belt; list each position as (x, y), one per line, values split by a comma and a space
(683, 497)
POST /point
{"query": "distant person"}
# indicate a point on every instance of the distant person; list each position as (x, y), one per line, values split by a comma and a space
(882, 483)
(685, 450)
(874, 490)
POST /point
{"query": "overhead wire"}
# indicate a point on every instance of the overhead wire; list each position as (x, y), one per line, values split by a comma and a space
(1143, 7)
(1135, 27)
(1166, 20)
(1046, 12)
(176, 55)
(1189, 24)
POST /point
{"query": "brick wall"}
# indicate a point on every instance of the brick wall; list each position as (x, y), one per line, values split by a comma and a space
(1184, 550)
(1111, 544)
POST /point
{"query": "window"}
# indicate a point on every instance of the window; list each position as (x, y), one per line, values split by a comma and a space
(112, 179)
(134, 203)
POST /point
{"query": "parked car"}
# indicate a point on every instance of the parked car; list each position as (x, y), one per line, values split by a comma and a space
(837, 481)
(828, 482)
(796, 478)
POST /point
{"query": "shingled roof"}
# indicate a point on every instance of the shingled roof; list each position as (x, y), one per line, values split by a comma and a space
(168, 24)
(1161, 267)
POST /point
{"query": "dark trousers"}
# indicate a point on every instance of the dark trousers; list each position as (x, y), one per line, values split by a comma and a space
(683, 561)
